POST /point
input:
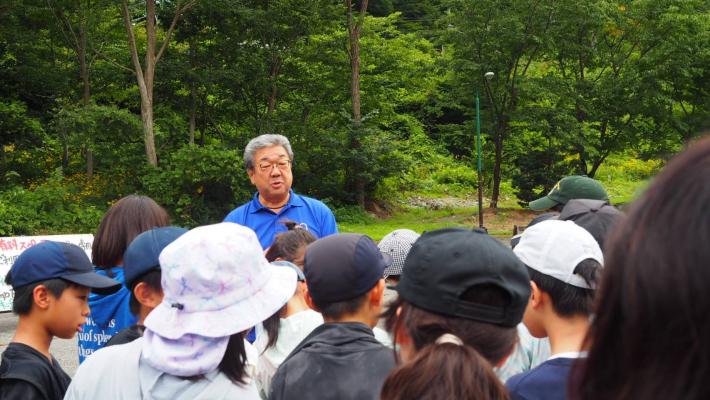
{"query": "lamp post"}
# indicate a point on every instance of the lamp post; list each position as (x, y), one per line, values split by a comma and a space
(488, 75)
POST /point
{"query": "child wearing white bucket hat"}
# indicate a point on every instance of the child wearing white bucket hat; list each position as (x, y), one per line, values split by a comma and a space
(217, 285)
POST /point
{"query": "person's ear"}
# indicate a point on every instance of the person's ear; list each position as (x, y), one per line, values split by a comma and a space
(147, 296)
(41, 297)
(377, 293)
(250, 172)
(536, 299)
(309, 299)
(301, 287)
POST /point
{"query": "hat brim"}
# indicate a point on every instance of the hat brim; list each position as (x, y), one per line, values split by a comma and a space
(97, 283)
(387, 259)
(171, 323)
(542, 203)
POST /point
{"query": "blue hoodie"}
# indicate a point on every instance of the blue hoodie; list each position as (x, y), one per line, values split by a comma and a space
(109, 314)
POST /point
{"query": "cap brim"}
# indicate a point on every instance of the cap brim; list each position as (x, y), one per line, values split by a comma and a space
(171, 323)
(542, 203)
(97, 283)
(387, 259)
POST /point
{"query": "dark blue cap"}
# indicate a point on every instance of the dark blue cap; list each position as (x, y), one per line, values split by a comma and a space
(142, 254)
(50, 260)
(342, 267)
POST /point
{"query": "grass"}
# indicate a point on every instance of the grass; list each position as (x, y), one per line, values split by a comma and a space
(499, 224)
(624, 178)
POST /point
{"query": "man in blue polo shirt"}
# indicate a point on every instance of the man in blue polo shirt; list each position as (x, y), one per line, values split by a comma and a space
(268, 160)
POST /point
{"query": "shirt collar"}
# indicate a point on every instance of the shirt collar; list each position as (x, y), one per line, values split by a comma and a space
(294, 200)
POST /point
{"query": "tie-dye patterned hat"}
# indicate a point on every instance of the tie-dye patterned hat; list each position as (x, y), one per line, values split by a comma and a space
(216, 283)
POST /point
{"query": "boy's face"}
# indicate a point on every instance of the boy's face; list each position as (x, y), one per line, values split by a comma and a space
(68, 312)
(532, 317)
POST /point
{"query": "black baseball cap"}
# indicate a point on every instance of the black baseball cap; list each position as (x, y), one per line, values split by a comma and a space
(50, 260)
(342, 267)
(444, 264)
(596, 216)
(141, 256)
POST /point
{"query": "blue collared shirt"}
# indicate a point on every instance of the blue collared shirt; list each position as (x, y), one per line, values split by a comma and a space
(311, 213)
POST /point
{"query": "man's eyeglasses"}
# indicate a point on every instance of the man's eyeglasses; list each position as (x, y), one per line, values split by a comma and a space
(283, 165)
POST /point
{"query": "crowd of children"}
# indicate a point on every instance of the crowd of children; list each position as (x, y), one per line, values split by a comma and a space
(588, 304)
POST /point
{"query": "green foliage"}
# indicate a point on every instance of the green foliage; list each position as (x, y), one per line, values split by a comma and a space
(198, 184)
(55, 206)
(352, 215)
(601, 87)
(21, 139)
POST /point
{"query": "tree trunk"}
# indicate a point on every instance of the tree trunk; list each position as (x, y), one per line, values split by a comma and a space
(498, 141)
(146, 78)
(86, 92)
(193, 94)
(273, 76)
(354, 29)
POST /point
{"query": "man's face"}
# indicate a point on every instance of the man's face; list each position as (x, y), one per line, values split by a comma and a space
(272, 180)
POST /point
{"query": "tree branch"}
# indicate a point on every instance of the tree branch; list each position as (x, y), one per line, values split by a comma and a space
(178, 12)
(138, 70)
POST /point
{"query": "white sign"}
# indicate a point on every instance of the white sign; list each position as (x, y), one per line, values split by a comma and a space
(12, 247)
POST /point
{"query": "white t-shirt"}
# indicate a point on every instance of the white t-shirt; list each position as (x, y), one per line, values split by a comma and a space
(292, 331)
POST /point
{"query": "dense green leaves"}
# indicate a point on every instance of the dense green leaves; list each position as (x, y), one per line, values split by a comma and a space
(574, 84)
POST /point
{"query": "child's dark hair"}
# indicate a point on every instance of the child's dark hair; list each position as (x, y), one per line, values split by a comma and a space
(126, 219)
(287, 244)
(444, 371)
(341, 308)
(493, 342)
(22, 301)
(152, 280)
(449, 370)
(234, 361)
(569, 300)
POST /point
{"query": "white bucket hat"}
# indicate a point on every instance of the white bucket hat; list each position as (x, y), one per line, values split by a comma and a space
(216, 283)
(555, 248)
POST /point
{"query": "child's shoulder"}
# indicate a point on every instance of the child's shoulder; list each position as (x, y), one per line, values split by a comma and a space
(25, 367)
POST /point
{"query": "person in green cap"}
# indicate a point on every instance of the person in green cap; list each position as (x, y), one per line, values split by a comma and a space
(568, 188)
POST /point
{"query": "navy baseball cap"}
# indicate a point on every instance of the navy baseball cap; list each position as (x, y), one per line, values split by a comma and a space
(446, 264)
(50, 260)
(141, 256)
(342, 267)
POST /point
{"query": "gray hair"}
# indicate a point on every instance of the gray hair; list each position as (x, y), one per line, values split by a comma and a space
(261, 142)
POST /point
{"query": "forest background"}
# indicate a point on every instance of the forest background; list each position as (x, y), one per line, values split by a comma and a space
(101, 98)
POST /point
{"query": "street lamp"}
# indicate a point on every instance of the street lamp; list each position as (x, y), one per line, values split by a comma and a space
(488, 75)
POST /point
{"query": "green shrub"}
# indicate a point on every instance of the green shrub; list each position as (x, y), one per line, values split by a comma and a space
(55, 206)
(352, 215)
(198, 184)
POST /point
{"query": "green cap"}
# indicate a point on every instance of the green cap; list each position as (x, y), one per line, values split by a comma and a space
(568, 188)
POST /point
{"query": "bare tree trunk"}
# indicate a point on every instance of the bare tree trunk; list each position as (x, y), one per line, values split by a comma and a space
(354, 31)
(273, 76)
(193, 94)
(146, 78)
(498, 141)
(86, 92)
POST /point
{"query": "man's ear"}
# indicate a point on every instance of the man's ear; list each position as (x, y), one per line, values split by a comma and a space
(41, 297)
(377, 293)
(536, 299)
(147, 296)
(309, 299)
(250, 172)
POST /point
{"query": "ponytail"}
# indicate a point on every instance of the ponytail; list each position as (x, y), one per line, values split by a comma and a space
(445, 369)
